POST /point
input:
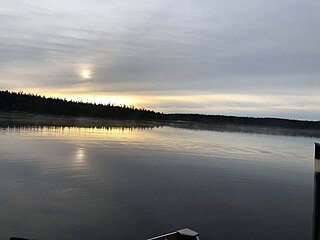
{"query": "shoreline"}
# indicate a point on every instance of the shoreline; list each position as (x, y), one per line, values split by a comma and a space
(24, 120)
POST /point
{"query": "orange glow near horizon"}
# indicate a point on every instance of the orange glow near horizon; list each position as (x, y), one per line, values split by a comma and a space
(227, 104)
(100, 99)
(77, 94)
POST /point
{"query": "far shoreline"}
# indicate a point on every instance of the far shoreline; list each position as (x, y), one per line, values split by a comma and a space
(15, 119)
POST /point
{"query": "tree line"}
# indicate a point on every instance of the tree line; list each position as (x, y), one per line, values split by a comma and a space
(247, 121)
(32, 103)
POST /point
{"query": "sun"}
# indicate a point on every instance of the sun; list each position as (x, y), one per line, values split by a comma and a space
(86, 74)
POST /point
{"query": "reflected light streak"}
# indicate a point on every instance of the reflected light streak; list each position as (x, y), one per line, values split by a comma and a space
(80, 156)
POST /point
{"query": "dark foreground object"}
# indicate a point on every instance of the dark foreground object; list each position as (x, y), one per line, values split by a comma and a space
(316, 196)
(183, 234)
(317, 151)
(18, 238)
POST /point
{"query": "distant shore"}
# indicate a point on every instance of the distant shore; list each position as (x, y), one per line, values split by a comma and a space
(21, 119)
(21, 109)
(29, 120)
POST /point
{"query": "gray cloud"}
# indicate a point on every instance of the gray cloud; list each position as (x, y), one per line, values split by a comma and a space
(162, 47)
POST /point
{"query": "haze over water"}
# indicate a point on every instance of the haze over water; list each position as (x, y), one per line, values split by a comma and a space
(126, 183)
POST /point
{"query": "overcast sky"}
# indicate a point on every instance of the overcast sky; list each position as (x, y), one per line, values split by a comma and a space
(248, 57)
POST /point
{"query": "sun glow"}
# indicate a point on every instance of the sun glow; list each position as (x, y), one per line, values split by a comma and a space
(79, 94)
(116, 100)
(107, 99)
(86, 74)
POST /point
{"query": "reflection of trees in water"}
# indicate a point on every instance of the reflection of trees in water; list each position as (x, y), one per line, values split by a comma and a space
(88, 128)
(25, 120)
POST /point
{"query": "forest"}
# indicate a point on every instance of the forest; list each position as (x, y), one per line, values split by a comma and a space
(32, 103)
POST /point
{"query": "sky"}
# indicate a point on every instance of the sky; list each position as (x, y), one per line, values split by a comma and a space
(244, 58)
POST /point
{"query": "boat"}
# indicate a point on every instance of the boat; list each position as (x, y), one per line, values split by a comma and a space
(183, 234)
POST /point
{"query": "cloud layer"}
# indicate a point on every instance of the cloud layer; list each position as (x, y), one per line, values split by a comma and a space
(172, 56)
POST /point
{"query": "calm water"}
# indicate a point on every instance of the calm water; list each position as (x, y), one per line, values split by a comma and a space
(77, 183)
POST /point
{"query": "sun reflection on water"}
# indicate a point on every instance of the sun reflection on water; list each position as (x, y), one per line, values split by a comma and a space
(163, 138)
(80, 156)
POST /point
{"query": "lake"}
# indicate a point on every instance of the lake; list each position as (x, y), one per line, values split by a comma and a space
(135, 183)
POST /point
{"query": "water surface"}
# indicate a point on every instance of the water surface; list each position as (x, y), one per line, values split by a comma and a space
(131, 183)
